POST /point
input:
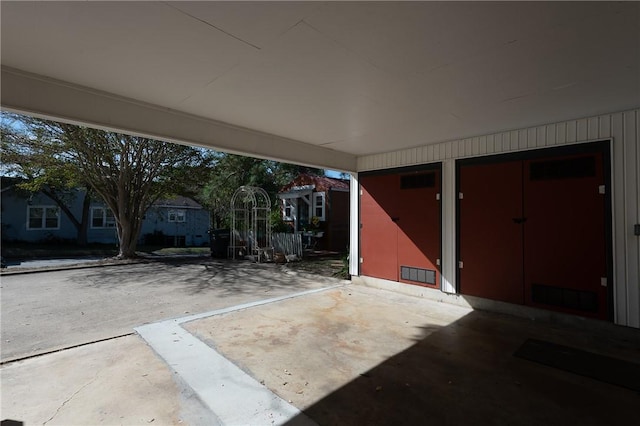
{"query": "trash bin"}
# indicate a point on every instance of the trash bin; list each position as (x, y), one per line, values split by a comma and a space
(219, 241)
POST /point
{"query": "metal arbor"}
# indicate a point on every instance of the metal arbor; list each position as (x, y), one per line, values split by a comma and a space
(250, 227)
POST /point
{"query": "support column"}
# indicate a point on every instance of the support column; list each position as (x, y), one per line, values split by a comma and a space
(354, 225)
(449, 262)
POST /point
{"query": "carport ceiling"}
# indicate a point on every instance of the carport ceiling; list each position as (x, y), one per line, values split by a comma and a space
(354, 77)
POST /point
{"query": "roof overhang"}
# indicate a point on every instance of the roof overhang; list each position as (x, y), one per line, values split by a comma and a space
(318, 83)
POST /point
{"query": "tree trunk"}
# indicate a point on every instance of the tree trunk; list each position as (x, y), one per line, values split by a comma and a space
(128, 239)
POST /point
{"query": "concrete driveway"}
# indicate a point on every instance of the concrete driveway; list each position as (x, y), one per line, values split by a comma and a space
(290, 349)
(47, 311)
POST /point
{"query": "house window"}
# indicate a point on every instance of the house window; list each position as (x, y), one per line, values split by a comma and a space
(177, 216)
(288, 210)
(102, 217)
(319, 205)
(43, 217)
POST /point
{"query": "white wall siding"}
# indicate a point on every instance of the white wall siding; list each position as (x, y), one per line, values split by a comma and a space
(622, 127)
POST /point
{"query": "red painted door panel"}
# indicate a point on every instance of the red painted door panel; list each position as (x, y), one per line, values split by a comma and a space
(378, 233)
(418, 221)
(490, 236)
(401, 227)
(565, 246)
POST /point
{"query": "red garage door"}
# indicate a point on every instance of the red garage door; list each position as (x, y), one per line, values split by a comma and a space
(533, 232)
(400, 226)
(565, 246)
(490, 231)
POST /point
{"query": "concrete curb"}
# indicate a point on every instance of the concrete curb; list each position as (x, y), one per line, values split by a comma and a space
(233, 396)
(97, 264)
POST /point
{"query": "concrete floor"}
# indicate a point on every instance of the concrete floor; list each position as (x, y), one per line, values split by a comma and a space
(347, 355)
(356, 355)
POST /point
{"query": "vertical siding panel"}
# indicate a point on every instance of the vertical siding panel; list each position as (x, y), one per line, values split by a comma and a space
(455, 149)
(532, 137)
(448, 149)
(523, 141)
(420, 154)
(498, 147)
(632, 183)
(592, 128)
(483, 145)
(582, 130)
(541, 136)
(551, 134)
(513, 138)
(491, 144)
(506, 142)
(430, 154)
(572, 131)
(561, 133)
(365, 163)
(619, 225)
(475, 146)
(604, 124)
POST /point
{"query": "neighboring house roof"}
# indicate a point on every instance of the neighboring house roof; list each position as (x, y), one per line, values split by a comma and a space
(320, 183)
(178, 202)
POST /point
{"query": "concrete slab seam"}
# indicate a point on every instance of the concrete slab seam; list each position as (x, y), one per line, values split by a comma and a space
(233, 396)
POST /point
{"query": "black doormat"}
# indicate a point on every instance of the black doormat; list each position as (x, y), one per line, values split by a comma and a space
(604, 368)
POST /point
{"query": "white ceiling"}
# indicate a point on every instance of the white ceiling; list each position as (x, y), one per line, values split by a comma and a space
(354, 77)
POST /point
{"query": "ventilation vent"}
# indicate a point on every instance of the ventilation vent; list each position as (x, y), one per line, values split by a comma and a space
(563, 169)
(426, 276)
(565, 297)
(421, 180)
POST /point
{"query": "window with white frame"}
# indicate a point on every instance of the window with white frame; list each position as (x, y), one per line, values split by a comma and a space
(288, 209)
(102, 217)
(319, 205)
(43, 217)
(177, 216)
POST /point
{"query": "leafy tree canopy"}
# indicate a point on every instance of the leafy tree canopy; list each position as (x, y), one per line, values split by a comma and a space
(128, 172)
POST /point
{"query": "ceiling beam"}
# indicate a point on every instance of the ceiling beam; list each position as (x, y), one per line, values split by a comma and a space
(44, 97)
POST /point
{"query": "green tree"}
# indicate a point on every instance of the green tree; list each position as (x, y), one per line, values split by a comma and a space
(128, 172)
(230, 171)
(40, 168)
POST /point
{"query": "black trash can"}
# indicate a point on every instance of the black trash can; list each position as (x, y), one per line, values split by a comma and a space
(219, 241)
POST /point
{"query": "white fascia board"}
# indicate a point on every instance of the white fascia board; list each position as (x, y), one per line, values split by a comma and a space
(44, 97)
(295, 194)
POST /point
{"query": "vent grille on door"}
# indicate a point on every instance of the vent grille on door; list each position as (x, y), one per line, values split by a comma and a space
(420, 180)
(565, 297)
(563, 169)
(426, 276)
